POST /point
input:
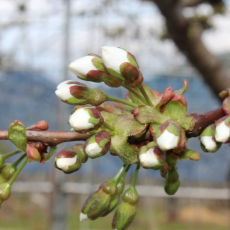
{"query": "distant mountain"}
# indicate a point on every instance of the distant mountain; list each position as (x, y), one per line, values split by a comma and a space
(29, 97)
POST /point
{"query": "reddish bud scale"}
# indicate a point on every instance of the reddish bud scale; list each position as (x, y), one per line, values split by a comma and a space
(96, 75)
(101, 136)
(180, 98)
(66, 153)
(133, 77)
(159, 154)
(78, 91)
(39, 126)
(167, 95)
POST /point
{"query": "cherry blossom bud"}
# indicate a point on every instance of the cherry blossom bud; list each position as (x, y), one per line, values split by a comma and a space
(5, 189)
(84, 119)
(169, 136)
(91, 68)
(208, 142)
(8, 170)
(121, 64)
(33, 153)
(222, 129)
(98, 201)
(126, 211)
(76, 93)
(39, 126)
(97, 145)
(79, 148)
(172, 182)
(67, 161)
(151, 158)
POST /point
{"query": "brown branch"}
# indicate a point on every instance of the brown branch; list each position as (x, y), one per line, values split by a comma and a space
(50, 137)
(204, 120)
(192, 3)
(190, 44)
(57, 137)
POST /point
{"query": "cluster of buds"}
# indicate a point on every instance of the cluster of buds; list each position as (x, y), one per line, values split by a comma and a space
(213, 136)
(147, 127)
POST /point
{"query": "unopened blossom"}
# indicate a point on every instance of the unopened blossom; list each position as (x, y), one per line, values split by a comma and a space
(98, 145)
(222, 128)
(84, 119)
(67, 161)
(121, 64)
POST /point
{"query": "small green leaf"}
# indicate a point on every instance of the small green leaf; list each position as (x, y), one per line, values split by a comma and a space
(17, 135)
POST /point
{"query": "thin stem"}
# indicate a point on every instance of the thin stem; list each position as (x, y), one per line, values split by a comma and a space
(134, 181)
(108, 126)
(123, 170)
(133, 91)
(110, 98)
(12, 179)
(16, 163)
(145, 95)
(10, 154)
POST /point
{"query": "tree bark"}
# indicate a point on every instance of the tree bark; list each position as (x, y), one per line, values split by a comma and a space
(189, 42)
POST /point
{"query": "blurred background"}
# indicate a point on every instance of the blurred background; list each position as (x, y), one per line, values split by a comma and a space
(38, 40)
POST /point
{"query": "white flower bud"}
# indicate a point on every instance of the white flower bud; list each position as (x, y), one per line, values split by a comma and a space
(65, 163)
(208, 143)
(80, 120)
(82, 66)
(167, 140)
(222, 132)
(63, 90)
(92, 149)
(83, 217)
(148, 159)
(113, 57)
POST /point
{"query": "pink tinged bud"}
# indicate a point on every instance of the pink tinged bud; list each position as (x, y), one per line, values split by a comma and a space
(222, 129)
(82, 66)
(85, 119)
(39, 126)
(165, 139)
(93, 150)
(33, 153)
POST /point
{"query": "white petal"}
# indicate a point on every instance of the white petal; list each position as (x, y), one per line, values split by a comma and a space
(222, 132)
(92, 149)
(167, 140)
(82, 66)
(64, 163)
(208, 142)
(63, 92)
(113, 57)
(79, 119)
(148, 159)
(64, 83)
(83, 216)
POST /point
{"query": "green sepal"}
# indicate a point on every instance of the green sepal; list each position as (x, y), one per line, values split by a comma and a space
(132, 59)
(123, 149)
(176, 108)
(98, 63)
(114, 73)
(145, 114)
(17, 135)
(48, 155)
(190, 154)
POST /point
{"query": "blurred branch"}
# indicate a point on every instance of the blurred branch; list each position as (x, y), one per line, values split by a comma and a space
(188, 40)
